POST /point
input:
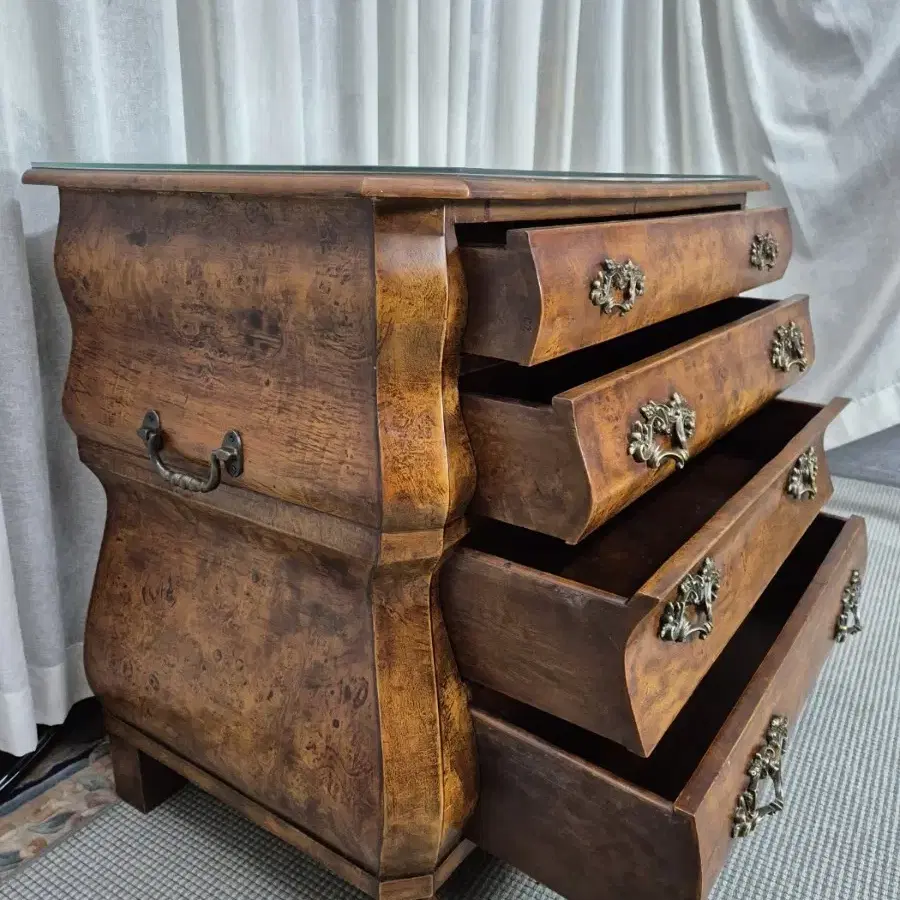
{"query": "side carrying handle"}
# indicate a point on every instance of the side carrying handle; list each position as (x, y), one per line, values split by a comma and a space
(230, 454)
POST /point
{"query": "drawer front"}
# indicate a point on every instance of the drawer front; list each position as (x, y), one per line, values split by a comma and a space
(586, 823)
(565, 468)
(624, 670)
(779, 688)
(553, 290)
(738, 551)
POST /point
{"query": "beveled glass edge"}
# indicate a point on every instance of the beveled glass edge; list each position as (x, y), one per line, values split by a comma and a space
(524, 174)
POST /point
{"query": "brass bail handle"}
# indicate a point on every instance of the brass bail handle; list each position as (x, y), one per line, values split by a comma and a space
(230, 455)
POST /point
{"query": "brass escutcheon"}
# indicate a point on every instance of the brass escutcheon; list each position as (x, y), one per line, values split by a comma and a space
(766, 764)
(674, 419)
(698, 591)
(627, 278)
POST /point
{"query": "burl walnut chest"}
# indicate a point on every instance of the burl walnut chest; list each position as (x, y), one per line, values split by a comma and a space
(451, 508)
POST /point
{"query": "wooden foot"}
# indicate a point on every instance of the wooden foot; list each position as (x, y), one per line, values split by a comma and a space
(141, 781)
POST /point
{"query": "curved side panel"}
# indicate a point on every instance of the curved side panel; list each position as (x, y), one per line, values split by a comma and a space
(248, 652)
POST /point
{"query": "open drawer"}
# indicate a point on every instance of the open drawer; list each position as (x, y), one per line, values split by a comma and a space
(615, 633)
(563, 446)
(549, 290)
(591, 820)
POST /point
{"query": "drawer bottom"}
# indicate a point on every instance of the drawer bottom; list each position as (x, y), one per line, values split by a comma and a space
(592, 820)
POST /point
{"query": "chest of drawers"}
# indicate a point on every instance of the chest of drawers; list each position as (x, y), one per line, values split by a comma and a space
(451, 508)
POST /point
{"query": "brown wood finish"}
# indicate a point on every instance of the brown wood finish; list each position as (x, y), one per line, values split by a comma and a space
(207, 304)
(552, 452)
(529, 299)
(141, 781)
(280, 641)
(780, 687)
(427, 477)
(283, 632)
(542, 210)
(409, 184)
(575, 631)
(590, 821)
(572, 826)
(212, 636)
(125, 734)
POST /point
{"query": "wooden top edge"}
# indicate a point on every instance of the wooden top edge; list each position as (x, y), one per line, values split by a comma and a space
(423, 186)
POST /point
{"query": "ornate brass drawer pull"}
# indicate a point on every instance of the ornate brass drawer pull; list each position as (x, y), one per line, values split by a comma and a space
(766, 763)
(848, 622)
(789, 348)
(230, 454)
(626, 277)
(674, 419)
(802, 478)
(699, 591)
(763, 251)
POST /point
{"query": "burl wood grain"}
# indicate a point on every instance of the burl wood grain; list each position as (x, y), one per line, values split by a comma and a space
(246, 651)
(529, 300)
(748, 539)
(228, 313)
(580, 474)
(578, 814)
(282, 633)
(575, 643)
(170, 765)
(427, 477)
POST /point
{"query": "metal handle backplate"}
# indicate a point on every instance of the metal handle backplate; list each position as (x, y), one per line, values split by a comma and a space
(763, 251)
(788, 348)
(697, 591)
(848, 622)
(627, 278)
(802, 479)
(230, 455)
(673, 419)
(765, 765)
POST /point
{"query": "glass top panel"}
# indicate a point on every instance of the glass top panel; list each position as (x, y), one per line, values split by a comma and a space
(391, 170)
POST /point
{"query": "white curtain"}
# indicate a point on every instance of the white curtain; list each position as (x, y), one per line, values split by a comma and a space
(805, 94)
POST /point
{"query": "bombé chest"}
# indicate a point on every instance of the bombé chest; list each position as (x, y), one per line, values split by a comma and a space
(452, 508)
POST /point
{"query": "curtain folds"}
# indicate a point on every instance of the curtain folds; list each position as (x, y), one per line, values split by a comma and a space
(806, 95)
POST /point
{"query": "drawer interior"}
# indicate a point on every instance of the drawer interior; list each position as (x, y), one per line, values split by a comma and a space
(667, 770)
(541, 383)
(495, 234)
(623, 553)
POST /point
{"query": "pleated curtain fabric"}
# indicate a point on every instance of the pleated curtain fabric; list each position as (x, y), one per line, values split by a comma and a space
(805, 94)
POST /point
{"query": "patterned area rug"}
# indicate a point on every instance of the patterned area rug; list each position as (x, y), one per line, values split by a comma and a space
(31, 824)
(837, 838)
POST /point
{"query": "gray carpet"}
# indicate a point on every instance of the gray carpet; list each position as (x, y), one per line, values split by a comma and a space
(872, 458)
(837, 838)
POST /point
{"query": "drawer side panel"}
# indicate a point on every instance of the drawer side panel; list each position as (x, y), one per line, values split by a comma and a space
(573, 827)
